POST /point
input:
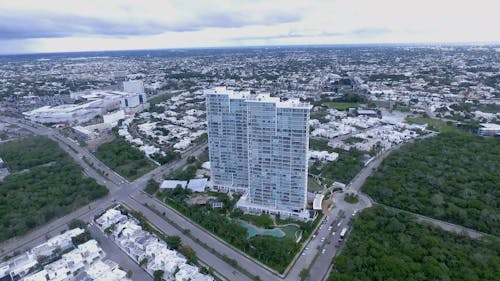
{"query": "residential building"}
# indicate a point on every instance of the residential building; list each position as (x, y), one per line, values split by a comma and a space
(228, 140)
(258, 146)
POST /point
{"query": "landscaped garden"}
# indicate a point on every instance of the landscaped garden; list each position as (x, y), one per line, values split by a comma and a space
(271, 241)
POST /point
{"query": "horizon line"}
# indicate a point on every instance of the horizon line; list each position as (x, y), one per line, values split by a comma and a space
(264, 46)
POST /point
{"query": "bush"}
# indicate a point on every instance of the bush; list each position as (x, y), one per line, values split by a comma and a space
(189, 254)
(351, 198)
(173, 241)
(75, 223)
(151, 187)
(264, 220)
(81, 238)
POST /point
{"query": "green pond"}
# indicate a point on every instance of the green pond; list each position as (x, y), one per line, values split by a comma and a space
(279, 232)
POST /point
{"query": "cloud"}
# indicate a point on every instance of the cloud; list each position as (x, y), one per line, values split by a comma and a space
(365, 32)
(130, 19)
(78, 25)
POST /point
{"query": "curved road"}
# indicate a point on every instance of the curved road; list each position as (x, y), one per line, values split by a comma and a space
(316, 255)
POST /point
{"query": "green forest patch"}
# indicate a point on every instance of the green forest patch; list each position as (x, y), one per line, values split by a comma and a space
(45, 184)
(124, 159)
(388, 245)
(453, 176)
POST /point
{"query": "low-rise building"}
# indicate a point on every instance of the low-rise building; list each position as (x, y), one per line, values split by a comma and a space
(489, 129)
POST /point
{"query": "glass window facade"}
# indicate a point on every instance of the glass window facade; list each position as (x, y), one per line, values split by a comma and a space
(259, 145)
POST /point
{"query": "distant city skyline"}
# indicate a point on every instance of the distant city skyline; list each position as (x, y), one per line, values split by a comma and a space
(29, 26)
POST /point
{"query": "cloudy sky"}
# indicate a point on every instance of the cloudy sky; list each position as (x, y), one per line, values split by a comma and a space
(77, 25)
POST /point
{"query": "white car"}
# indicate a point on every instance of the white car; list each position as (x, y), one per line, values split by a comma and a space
(323, 251)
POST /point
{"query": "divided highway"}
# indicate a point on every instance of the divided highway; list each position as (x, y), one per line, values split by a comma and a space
(317, 254)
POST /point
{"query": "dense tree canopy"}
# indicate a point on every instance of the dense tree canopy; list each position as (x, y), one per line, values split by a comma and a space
(45, 183)
(124, 159)
(388, 245)
(344, 169)
(453, 176)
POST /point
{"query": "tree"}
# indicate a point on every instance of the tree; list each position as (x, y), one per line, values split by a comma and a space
(386, 245)
(76, 223)
(452, 176)
(173, 241)
(81, 238)
(51, 185)
(158, 275)
(188, 253)
(304, 273)
(191, 160)
(143, 262)
(151, 187)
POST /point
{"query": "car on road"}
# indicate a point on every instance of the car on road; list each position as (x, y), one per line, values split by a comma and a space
(323, 251)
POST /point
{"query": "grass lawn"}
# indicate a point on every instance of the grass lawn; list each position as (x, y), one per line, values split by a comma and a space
(341, 105)
(381, 103)
(351, 198)
(434, 124)
(290, 231)
(320, 144)
(313, 185)
(124, 159)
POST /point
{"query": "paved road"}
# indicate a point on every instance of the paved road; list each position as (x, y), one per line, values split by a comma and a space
(118, 188)
(114, 253)
(450, 227)
(205, 255)
(255, 269)
(128, 192)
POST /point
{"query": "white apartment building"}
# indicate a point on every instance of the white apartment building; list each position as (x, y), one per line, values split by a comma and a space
(228, 140)
(258, 146)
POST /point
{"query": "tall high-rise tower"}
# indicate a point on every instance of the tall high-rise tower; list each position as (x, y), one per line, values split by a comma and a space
(258, 146)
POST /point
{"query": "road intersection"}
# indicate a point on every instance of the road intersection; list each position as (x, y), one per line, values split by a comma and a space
(316, 255)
